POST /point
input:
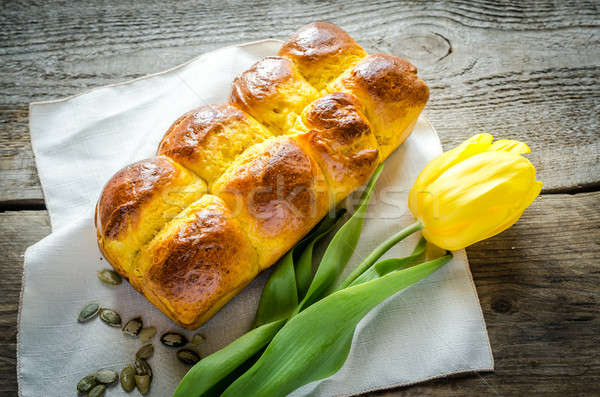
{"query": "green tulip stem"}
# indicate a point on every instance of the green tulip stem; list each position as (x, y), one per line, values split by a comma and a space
(378, 252)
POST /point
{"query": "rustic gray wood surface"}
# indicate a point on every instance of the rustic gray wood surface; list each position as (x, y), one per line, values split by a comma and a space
(525, 70)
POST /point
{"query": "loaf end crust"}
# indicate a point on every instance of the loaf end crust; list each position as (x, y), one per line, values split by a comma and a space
(392, 96)
(137, 202)
(322, 51)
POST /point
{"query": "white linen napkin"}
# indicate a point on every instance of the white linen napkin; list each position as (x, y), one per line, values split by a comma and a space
(434, 328)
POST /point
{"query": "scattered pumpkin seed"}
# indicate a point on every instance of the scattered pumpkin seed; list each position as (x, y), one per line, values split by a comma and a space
(133, 327)
(145, 351)
(188, 356)
(110, 317)
(86, 383)
(108, 276)
(197, 340)
(88, 312)
(106, 376)
(147, 333)
(173, 339)
(143, 383)
(142, 367)
(97, 391)
(128, 378)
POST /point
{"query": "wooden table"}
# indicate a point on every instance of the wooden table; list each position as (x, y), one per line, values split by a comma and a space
(523, 71)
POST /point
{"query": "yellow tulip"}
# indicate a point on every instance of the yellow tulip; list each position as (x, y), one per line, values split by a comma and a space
(473, 191)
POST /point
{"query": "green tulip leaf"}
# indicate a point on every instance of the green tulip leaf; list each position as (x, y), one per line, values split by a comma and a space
(279, 297)
(340, 249)
(304, 264)
(314, 344)
(378, 252)
(289, 281)
(389, 265)
(211, 370)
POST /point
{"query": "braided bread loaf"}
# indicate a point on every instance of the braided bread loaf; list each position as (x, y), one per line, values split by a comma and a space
(234, 186)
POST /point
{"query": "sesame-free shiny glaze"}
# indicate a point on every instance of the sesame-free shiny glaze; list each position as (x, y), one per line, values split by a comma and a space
(196, 263)
(277, 192)
(335, 132)
(137, 202)
(207, 139)
(273, 92)
(392, 96)
(322, 51)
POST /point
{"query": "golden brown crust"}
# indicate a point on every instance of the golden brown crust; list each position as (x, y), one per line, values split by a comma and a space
(392, 96)
(136, 202)
(390, 79)
(339, 137)
(127, 191)
(208, 138)
(338, 111)
(261, 81)
(277, 186)
(191, 130)
(321, 51)
(279, 194)
(273, 92)
(315, 41)
(196, 261)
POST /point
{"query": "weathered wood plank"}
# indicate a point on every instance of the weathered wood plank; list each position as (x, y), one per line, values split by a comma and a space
(528, 71)
(538, 285)
(18, 230)
(18, 174)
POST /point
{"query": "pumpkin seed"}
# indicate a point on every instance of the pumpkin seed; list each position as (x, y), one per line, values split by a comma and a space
(88, 312)
(143, 383)
(86, 383)
(110, 317)
(214, 368)
(108, 276)
(197, 340)
(97, 391)
(106, 376)
(147, 333)
(128, 378)
(145, 351)
(142, 367)
(188, 356)
(133, 327)
(173, 339)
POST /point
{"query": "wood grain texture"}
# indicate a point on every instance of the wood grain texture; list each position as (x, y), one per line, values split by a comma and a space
(527, 71)
(19, 183)
(524, 70)
(18, 230)
(538, 285)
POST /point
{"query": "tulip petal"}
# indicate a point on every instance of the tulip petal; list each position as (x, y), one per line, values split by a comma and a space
(476, 199)
(474, 145)
(473, 191)
(527, 200)
(509, 145)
